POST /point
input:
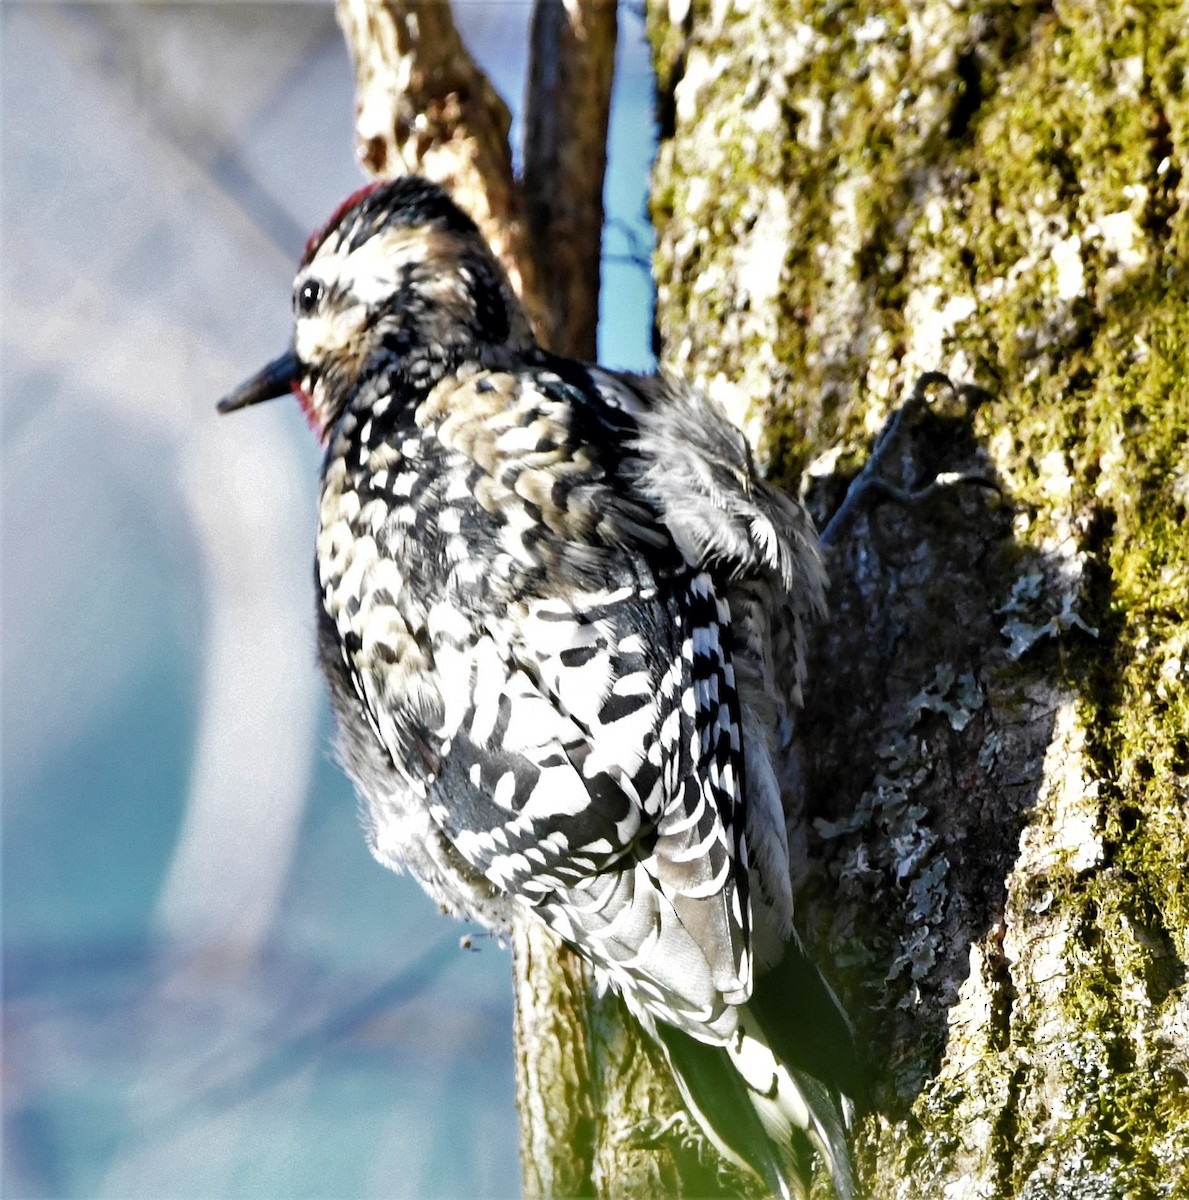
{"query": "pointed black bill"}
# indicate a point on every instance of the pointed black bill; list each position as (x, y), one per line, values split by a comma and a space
(272, 382)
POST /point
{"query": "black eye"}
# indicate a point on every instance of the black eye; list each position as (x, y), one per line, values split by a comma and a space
(308, 296)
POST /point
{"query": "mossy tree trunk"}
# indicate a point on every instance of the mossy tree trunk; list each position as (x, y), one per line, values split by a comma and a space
(996, 743)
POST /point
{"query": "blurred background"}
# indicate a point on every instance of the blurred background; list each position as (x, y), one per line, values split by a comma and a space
(210, 989)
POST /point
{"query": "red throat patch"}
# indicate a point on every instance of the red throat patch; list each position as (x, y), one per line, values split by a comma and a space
(307, 407)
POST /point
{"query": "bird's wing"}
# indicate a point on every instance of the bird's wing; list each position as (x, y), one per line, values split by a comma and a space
(581, 738)
(696, 469)
(592, 772)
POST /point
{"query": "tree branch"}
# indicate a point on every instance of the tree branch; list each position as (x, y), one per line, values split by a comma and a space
(568, 103)
(553, 1083)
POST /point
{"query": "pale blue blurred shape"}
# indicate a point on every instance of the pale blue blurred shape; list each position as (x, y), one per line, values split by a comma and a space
(626, 297)
(161, 166)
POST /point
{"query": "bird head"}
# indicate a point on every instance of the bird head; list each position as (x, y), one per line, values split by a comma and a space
(398, 282)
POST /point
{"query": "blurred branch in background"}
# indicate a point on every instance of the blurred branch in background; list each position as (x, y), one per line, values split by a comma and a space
(568, 102)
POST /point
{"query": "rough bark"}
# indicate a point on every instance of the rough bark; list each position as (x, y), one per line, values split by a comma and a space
(996, 742)
(554, 1089)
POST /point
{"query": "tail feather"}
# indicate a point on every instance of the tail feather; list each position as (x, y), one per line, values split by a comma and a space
(783, 1084)
(793, 1105)
(760, 1114)
(805, 1023)
(721, 1102)
(830, 1116)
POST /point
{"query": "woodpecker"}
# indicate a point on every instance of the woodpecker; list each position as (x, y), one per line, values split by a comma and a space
(562, 620)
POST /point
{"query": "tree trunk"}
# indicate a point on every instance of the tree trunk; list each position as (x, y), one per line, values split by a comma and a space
(996, 741)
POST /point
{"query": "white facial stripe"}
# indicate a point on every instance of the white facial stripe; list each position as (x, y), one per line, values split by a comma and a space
(321, 334)
(358, 282)
(369, 274)
(371, 271)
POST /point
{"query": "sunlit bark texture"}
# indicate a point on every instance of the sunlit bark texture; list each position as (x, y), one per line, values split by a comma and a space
(996, 747)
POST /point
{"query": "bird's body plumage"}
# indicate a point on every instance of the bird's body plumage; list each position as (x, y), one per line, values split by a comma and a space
(562, 621)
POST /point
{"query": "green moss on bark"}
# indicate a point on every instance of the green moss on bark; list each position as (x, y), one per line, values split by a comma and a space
(857, 193)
